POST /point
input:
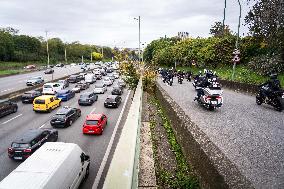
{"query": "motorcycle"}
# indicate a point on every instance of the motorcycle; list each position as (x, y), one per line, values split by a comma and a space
(170, 81)
(197, 80)
(275, 99)
(211, 97)
(180, 79)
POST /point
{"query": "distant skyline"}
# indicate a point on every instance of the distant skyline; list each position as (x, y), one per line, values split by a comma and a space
(111, 23)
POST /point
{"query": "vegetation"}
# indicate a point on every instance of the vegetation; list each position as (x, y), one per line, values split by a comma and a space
(23, 49)
(182, 178)
(262, 52)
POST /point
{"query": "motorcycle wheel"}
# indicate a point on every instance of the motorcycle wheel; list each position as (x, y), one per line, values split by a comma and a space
(259, 100)
(211, 108)
(278, 106)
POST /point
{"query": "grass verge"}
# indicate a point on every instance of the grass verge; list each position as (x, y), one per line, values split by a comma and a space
(183, 177)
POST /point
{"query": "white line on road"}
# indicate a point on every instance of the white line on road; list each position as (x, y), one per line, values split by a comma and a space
(105, 158)
(12, 119)
(93, 110)
(42, 126)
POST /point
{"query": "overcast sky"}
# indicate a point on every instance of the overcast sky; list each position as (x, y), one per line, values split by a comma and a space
(111, 22)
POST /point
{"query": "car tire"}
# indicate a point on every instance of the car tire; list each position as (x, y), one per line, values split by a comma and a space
(87, 172)
(15, 109)
(70, 123)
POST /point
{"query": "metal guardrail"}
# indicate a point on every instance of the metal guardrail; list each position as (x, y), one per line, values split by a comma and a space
(123, 170)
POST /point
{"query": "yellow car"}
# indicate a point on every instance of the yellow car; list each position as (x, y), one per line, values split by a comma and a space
(46, 103)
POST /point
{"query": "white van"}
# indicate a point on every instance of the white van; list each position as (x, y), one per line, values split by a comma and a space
(54, 165)
(90, 78)
(51, 88)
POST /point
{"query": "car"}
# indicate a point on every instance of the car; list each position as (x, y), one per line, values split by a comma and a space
(30, 67)
(112, 101)
(65, 95)
(107, 81)
(116, 75)
(26, 144)
(51, 88)
(73, 64)
(90, 78)
(94, 124)
(98, 75)
(74, 78)
(64, 83)
(46, 103)
(100, 88)
(116, 91)
(121, 83)
(109, 70)
(111, 76)
(34, 81)
(87, 98)
(82, 76)
(60, 65)
(29, 96)
(50, 66)
(103, 72)
(49, 71)
(65, 117)
(7, 107)
(77, 88)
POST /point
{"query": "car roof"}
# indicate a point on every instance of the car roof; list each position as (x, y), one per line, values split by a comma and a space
(44, 97)
(86, 93)
(64, 110)
(94, 116)
(112, 96)
(28, 136)
(63, 91)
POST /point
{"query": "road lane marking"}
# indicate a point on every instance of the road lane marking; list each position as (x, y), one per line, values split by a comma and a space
(105, 158)
(42, 126)
(12, 119)
(93, 110)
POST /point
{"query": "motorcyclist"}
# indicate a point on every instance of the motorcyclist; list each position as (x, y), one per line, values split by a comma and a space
(188, 75)
(205, 82)
(273, 85)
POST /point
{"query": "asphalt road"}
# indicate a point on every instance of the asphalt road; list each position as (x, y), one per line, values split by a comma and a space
(16, 82)
(94, 145)
(251, 136)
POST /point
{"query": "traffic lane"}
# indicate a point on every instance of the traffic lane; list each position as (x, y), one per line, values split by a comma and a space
(17, 82)
(94, 145)
(34, 120)
(250, 135)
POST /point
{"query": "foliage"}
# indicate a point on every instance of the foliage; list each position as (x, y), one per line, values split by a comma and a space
(97, 56)
(149, 80)
(130, 73)
(183, 177)
(217, 30)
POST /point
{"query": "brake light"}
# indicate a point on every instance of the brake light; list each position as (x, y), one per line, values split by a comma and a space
(27, 150)
(207, 98)
(10, 150)
(218, 97)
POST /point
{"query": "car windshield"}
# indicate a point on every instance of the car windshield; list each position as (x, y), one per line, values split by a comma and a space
(47, 86)
(39, 101)
(28, 93)
(92, 122)
(59, 115)
(110, 100)
(78, 86)
(84, 96)
(20, 145)
(116, 88)
(62, 92)
(98, 86)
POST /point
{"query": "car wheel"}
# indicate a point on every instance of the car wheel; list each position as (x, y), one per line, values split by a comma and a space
(15, 109)
(70, 123)
(48, 110)
(87, 172)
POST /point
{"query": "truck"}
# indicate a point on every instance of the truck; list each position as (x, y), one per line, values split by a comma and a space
(53, 165)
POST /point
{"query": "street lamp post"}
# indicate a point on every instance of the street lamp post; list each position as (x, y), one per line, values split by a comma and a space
(237, 58)
(139, 52)
(47, 49)
(224, 17)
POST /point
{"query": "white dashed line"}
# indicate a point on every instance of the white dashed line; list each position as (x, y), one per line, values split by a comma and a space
(12, 119)
(42, 126)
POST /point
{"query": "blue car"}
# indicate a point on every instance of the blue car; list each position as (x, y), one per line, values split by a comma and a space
(65, 95)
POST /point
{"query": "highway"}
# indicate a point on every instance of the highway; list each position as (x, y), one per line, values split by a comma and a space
(251, 136)
(15, 124)
(16, 82)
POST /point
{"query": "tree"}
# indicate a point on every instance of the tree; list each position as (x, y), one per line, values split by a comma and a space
(97, 56)
(217, 30)
(6, 46)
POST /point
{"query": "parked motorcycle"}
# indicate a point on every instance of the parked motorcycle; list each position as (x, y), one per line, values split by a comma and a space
(273, 98)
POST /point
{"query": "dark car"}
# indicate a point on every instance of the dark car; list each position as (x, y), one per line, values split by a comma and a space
(74, 79)
(85, 84)
(82, 76)
(87, 98)
(30, 141)
(112, 101)
(60, 65)
(65, 117)
(109, 70)
(65, 95)
(49, 71)
(28, 97)
(116, 91)
(7, 107)
(121, 83)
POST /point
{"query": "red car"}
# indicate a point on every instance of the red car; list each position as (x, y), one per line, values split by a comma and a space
(95, 124)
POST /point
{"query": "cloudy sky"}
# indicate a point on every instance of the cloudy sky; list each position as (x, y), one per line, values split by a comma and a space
(111, 22)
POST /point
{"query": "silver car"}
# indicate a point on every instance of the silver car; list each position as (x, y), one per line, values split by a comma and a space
(35, 81)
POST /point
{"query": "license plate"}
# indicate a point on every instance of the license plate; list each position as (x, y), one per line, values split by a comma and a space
(18, 158)
(213, 102)
(91, 131)
(57, 121)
